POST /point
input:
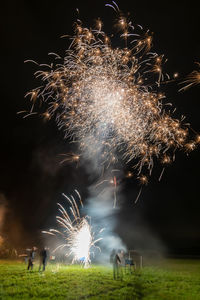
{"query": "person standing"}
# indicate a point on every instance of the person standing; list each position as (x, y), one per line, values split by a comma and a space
(115, 260)
(122, 262)
(31, 258)
(43, 258)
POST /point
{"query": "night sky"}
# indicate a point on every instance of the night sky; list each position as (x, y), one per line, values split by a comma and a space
(31, 177)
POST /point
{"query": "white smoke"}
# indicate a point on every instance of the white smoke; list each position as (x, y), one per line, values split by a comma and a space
(104, 216)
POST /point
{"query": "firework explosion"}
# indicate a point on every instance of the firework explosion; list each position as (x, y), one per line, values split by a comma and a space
(108, 99)
(77, 232)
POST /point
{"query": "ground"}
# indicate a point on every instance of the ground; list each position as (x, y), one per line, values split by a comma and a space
(169, 280)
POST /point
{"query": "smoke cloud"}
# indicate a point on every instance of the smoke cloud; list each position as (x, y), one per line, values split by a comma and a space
(104, 216)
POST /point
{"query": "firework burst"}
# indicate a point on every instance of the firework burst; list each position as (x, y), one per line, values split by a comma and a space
(77, 232)
(109, 99)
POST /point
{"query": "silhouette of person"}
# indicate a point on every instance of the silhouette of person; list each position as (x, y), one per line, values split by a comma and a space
(122, 262)
(115, 260)
(31, 258)
(43, 258)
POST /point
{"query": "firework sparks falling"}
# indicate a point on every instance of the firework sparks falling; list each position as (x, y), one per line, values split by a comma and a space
(70, 158)
(109, 100)
(77, 232)
(113, 182)
(192, 79)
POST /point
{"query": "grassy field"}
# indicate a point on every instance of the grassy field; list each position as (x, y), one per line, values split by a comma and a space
(170, 279)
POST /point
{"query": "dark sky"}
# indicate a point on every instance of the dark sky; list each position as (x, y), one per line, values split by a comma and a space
(31, 178)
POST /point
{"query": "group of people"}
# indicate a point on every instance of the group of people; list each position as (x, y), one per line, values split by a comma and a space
(117, 259)
(121, 263)
(43, 258)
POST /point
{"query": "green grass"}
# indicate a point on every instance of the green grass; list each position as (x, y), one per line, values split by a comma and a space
(171, 279)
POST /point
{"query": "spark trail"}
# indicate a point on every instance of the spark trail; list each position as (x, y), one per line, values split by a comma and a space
(77, 232)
